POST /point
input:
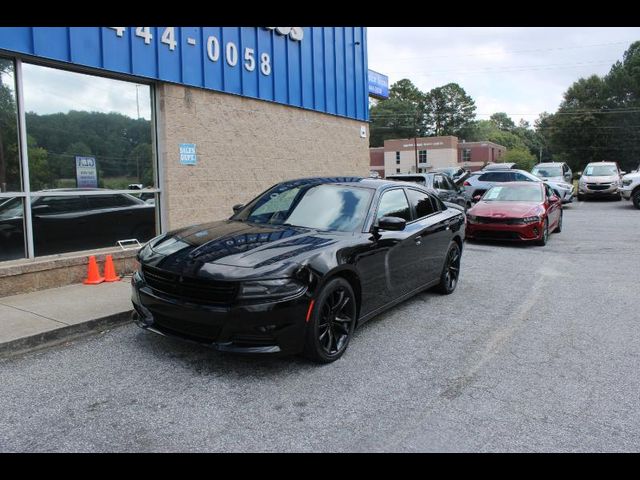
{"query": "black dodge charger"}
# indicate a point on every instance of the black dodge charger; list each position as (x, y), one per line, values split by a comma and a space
(299, 267)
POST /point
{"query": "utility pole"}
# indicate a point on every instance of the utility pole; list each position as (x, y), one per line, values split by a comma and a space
(415, 141)
(540, 154)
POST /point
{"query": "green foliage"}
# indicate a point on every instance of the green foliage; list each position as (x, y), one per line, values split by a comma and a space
(599, 117)
(521, 156)
(448, 109)
(503, 121)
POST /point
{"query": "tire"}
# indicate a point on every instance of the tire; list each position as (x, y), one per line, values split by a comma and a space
(636, 199)
(332, 322)
(559, 227)
(618, 197)
(450, 272)
(545, 234)
(580, 198)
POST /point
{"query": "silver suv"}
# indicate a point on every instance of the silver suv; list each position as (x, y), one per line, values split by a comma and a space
(554, 171)
(630, 189)
(600, 179)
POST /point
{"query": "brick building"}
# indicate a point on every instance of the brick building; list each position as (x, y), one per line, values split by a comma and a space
(408, 155)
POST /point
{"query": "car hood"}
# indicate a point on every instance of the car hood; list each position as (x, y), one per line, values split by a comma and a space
(261, 248)
(504, 209)
(554, 179)
(632, 175)
(600, 179)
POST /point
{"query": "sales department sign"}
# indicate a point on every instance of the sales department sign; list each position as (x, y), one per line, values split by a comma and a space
(86, 172)
(317, 68)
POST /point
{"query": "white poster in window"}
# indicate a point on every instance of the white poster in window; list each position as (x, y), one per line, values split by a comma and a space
(86, 172)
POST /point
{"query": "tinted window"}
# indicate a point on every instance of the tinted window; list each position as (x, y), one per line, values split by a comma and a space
(497, 177)
(421, 202)
(110, 201)
(394, 204)
(520, 177)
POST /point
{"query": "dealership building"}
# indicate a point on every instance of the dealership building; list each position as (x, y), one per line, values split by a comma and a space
(421, 155)
(117, 133)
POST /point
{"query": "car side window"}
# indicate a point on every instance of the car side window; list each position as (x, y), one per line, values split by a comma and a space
(487, 177)
(422, 203)
(548, 190)
(393, 203)
(519, 177)
(61, 204)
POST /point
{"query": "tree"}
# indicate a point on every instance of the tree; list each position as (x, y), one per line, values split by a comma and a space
(521, 156)
(448, 109)
(503, 121)
(393, 118)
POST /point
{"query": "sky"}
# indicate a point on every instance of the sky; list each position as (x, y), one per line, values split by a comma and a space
(522, 71)
(49, 90)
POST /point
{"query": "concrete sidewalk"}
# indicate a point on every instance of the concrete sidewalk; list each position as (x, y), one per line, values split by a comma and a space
(38, 319)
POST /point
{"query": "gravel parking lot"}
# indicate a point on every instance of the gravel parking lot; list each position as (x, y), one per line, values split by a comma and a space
(537, 350)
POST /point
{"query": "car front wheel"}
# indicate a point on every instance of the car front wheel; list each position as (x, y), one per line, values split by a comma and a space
(331, 323)
(636, 199)
(451, 271)
(542, 241)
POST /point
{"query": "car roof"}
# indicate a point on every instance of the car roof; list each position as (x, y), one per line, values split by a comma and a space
(499, 166)
(602, 163)
(550, 164)
(373, 183)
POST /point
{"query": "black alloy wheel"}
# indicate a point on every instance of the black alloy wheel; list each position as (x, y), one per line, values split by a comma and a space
(545, 234)
(451, 271)
(332, 322)
(559, 227)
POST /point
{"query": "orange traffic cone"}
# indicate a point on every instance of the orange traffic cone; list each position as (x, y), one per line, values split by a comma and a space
(93, 276)
(110, 270)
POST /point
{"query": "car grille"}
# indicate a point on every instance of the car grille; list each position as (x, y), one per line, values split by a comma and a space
(503, 221)
(194, 289)
(594, 186)
(189, 330)
(496, 235)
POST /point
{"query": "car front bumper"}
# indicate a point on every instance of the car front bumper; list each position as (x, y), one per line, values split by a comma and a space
(626, 192)
(584, 190)
(499, 231)
(276, 327)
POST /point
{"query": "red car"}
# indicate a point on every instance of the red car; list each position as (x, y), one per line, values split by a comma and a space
(524, 211)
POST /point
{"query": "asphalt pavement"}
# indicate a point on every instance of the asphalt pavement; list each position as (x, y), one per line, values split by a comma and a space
(537, 350)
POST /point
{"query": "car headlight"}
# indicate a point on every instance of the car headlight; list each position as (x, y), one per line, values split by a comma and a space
(626, 182)
(271, 289)
(531, 219)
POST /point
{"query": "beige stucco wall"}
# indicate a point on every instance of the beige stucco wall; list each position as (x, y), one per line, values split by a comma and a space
(244, 146)
(443, 157)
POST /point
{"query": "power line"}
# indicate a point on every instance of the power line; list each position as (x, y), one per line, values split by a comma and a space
(507, 69)
(509, 51)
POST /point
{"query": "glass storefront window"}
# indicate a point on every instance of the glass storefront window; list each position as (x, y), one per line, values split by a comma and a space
(9, 139)
(12, 244)
(85, 131)
(83, 222)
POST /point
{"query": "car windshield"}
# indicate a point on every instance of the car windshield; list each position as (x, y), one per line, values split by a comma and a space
(547, 171)
(600, 170)
(512, 193)
(322, 207)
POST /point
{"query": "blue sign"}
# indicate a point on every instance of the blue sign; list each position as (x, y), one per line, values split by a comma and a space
(317, 68)
(378, 85)
(188, 154)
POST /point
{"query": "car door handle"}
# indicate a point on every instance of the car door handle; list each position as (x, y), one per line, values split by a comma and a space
(418, 240)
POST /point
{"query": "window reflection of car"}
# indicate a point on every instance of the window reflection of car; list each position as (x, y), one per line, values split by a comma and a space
(68, 222)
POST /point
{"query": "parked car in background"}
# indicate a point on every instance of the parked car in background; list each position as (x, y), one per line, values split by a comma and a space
(457, 174)
(480, 182)
(630, 189)
(299, 267)
(516, 211)
(554, 171)
(446, 189)
(600, 179)
(500, 166)
(64, 221)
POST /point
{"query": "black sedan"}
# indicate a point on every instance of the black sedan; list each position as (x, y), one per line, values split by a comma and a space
(299, 267)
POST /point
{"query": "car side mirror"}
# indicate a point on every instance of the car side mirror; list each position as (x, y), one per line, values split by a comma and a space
(238, 207)
(477, 198)
(394, 224)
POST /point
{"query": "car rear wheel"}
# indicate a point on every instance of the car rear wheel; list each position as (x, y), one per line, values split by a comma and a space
(332, 322)
(545, 234)
(559, 227)
(636, 199)
(451, 271)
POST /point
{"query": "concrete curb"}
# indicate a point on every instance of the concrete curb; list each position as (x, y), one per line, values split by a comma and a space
(57, 336)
